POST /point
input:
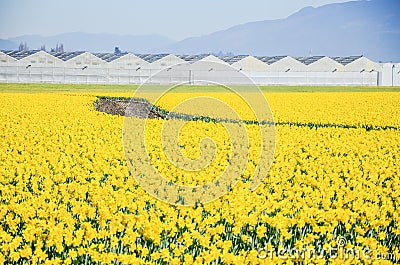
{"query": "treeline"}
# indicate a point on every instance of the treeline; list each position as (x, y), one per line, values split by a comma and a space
(23, 46)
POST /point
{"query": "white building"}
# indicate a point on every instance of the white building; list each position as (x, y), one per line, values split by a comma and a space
(8, 68)
(126, 68)
(389, 74)
(325, 64)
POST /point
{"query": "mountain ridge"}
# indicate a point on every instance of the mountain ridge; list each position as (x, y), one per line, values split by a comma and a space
(370, 28)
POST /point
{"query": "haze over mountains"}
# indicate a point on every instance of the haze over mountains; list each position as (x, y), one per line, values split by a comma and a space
(370, 28)
(80, 41)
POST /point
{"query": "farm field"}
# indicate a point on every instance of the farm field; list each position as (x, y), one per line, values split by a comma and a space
(331, 194)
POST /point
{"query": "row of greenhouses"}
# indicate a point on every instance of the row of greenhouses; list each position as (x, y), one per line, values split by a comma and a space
(127, 68)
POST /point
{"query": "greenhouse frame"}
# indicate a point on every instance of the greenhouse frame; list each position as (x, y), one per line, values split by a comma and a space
(81, 67)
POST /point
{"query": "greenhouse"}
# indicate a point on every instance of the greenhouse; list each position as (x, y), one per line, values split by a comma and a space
(81, 67)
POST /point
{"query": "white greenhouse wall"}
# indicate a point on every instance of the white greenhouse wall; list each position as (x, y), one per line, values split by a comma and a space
(128, 69)
(361, 64)
(287, 64)
(325, 64)
(390, 75)
(396, 73)
(4, 58)
(8, 69)
(167, 61)
(314, 78)
(213, 59)
(251, 64)
(86, 68)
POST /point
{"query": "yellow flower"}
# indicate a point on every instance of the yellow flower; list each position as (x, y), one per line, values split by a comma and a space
(67, 188)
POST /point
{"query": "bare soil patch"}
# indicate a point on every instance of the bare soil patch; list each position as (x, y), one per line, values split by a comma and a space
(128, 107)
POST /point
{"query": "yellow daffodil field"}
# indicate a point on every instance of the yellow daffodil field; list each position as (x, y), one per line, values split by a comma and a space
(331, 195)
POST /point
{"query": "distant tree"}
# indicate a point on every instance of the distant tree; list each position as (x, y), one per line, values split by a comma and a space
(43, 47)
(221, 53)
(58, 48)
(23, 46)
(117, 51)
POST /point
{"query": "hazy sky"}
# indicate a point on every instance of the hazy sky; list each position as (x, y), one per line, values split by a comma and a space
(177, 19)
